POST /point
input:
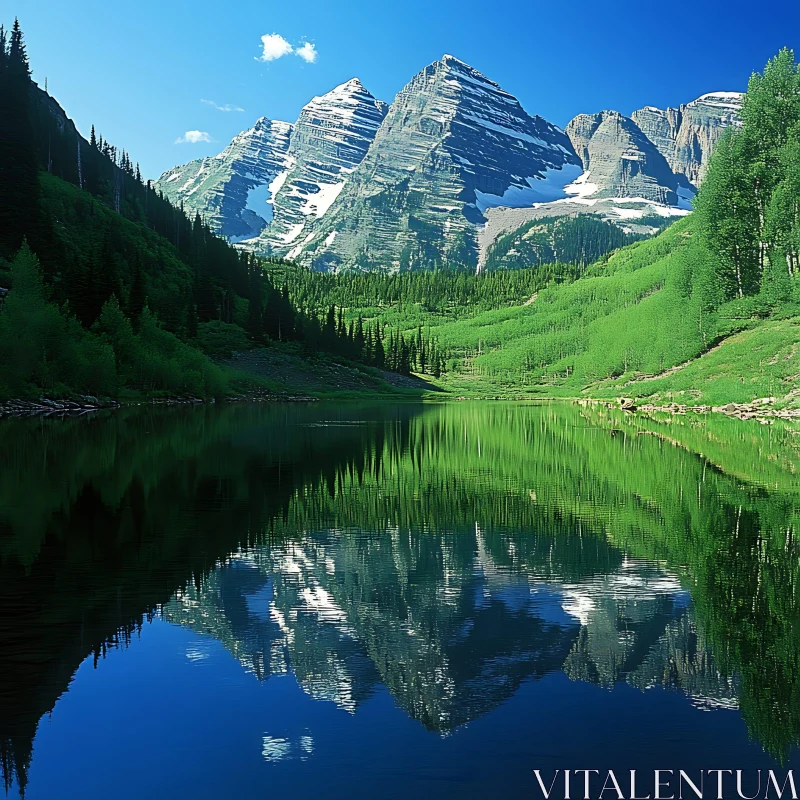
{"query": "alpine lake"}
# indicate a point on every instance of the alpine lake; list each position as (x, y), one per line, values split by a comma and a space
(329, 600)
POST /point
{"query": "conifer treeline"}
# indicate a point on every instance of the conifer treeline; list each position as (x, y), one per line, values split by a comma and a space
(434, 290)
(371, 342)
(578, 240)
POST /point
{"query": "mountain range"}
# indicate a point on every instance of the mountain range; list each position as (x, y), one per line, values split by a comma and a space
(295, 609)
(435, 178)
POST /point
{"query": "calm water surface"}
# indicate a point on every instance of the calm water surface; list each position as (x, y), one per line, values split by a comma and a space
(326, 601)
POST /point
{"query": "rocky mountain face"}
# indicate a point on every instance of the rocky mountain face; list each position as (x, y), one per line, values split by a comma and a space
(653, 153)
(232, 190)
(329, 140)
(621, 160)
(275, 179)
(686, 136)
(452, 145)
(638, 171)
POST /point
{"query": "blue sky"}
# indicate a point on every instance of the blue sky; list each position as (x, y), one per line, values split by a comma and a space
(141, 74)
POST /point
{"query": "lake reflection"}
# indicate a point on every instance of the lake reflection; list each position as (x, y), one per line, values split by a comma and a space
(233, 601)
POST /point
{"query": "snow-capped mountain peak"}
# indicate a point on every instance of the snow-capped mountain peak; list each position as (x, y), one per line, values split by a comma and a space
(453, 144)
(730, 100)
(355, 184)
(279, 174)
(329, 140)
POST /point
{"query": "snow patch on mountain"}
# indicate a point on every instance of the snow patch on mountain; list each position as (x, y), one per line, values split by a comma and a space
(540, 189)
(730, 100)
(233, 190)
(318, 203)
(581, 187)
(292, 233)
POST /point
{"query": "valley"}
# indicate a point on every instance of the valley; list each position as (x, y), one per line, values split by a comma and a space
(382, 424)
(450, 238)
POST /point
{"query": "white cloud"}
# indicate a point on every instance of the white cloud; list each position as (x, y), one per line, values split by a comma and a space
(274, 46)
(307, 51)
(193, 137)
(226, 107)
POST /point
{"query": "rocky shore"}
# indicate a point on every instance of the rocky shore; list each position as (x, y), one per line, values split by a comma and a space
(48, 407)
(762, 409)
(45, 406)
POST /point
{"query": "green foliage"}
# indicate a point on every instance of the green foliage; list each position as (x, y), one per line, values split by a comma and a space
(589, 327)
(43, 349)
(154, 360)
(219, 338)
(749, 203)
(100, 253)
(762, 361)
(577, 240)
(163, 362)
(457, 293)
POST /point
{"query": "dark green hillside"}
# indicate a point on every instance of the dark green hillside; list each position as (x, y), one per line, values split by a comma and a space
(109, 287)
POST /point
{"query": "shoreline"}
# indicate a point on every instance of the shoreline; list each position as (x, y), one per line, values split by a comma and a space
(762, 409)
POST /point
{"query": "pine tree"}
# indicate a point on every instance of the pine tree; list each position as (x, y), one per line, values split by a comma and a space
(191, 321)
(255, 323)
(422, 355)
(359, 341)
(341, 330)
(380, 354)
(404, 357)
(287, 316)
(329, 330)
(19, 174)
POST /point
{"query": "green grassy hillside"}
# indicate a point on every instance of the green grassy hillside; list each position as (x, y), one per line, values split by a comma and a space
(637, 316)
(643, 322)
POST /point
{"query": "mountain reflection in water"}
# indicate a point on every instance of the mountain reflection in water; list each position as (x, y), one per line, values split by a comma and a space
(448, 554)
(451, 624)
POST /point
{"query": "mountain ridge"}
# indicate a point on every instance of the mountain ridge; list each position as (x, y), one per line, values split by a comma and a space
(686, 136)
(226, 189)
(363, 185)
